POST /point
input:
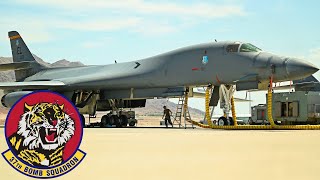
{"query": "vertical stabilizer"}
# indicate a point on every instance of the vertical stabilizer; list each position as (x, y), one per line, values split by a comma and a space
(21, 53)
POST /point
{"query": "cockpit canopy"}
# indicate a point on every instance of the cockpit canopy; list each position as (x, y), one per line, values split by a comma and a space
(244, 47)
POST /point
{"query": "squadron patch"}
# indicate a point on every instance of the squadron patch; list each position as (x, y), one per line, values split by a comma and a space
(43, 131)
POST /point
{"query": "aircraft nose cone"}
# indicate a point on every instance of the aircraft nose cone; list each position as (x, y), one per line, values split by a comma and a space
(297, 69)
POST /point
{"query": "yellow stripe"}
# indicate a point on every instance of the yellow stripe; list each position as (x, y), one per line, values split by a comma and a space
(13, 141)
(18, 144)
(15, 37)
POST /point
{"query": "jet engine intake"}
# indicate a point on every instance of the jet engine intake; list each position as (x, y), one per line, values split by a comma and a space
(8, 100)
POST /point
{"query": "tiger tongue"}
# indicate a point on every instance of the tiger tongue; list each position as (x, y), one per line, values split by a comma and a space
(51, 136)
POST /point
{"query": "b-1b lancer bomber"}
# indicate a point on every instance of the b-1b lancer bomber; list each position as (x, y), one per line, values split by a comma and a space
(223, 65)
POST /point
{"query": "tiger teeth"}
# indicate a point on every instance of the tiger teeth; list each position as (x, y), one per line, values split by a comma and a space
(47, 131)
(53, 129)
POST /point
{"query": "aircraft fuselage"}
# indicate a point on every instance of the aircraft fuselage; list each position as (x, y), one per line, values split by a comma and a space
(198, 65)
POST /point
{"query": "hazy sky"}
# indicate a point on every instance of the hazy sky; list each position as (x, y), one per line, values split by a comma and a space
(101, 31)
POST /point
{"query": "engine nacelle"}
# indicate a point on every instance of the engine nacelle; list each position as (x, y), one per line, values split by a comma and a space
(9, 99)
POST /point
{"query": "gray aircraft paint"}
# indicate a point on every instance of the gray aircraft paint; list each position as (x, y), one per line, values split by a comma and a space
(182, 67)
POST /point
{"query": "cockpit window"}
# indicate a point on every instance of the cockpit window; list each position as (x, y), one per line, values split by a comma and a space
(233, 48)
(247, 47)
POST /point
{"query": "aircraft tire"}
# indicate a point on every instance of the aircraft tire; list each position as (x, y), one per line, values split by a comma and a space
(123, 121)
(104, 121)
(115, 120)
(231, 123)
(132, 123)
(222, 121)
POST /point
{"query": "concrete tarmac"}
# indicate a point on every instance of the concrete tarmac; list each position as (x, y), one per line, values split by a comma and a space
(164, 154)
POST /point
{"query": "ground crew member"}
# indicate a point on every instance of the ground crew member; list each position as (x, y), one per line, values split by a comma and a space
(166, 115)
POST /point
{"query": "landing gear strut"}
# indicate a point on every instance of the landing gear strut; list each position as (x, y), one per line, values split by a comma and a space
(226, 102)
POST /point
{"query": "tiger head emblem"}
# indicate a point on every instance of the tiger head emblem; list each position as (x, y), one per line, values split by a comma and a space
(43, 130)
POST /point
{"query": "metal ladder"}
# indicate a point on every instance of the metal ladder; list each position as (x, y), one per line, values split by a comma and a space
(182, 110)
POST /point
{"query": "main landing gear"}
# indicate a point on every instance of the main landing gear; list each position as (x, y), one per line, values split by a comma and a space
(223, 121)
(227, 104)
(110, 120)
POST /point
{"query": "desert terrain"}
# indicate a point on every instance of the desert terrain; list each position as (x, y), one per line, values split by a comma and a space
(159, 153)
(2, 119)
(173, 153)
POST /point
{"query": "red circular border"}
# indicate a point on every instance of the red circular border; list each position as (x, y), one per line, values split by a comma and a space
(17, 110)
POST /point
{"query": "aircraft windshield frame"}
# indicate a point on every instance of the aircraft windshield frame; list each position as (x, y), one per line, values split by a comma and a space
(232, 48)
(247, 47)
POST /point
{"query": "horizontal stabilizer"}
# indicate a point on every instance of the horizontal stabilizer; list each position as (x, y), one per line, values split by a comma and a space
(16, 66)
(30, 84)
